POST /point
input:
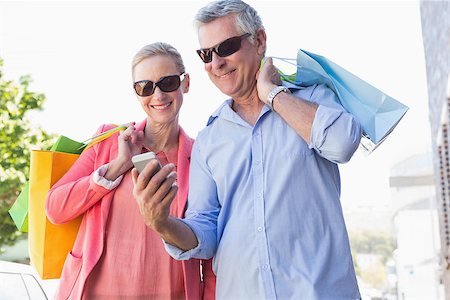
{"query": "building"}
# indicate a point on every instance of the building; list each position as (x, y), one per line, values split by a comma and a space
(435, 18)
(415, 219)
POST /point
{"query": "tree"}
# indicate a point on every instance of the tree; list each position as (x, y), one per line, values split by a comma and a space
(377, 243)
(17, 137)
(372, 242)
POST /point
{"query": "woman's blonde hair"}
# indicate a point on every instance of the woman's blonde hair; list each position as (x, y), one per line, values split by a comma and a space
(158, 48)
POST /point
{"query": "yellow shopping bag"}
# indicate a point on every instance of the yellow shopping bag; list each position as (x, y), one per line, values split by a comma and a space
(48, 243)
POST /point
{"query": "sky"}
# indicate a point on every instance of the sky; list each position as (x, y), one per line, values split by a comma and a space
(79, 55)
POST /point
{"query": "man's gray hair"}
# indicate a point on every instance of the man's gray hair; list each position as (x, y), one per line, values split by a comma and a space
(247, 19)
(158, 48)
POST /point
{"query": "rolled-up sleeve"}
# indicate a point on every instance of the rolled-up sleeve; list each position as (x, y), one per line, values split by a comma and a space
(335, 134)
(202, 213)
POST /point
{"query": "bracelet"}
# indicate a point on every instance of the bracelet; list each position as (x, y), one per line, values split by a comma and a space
(274, 92)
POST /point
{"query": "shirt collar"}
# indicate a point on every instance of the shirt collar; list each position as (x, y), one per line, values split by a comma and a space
(227, 113)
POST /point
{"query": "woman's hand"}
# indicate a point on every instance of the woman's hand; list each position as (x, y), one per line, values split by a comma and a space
(130, 143)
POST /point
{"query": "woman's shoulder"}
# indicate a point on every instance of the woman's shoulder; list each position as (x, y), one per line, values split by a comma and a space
(105, 127)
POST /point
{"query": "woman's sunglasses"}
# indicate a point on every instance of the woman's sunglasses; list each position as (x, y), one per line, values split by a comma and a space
(227, 47)
(166, 84)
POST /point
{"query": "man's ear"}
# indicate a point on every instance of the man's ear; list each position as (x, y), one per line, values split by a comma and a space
(260, 41)
(185, 84)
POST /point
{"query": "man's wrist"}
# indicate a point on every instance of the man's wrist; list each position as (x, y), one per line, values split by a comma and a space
(275, 91)
(163, 228)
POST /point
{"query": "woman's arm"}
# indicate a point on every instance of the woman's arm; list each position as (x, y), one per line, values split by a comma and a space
(76, 191)
(79, 188)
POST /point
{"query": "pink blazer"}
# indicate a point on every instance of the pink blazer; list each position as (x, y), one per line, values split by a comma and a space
(76, 194)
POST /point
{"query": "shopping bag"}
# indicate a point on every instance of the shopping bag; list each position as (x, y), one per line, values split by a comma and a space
(19, 210)
(48, 243)
(377, 112)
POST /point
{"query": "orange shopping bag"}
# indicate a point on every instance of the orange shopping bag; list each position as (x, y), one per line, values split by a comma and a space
(49, 244)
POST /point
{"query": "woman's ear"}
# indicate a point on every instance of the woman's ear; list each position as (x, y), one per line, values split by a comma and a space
(185, 83)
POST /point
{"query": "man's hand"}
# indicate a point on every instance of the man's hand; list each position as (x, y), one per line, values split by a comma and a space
(267, 79)
(154, 191)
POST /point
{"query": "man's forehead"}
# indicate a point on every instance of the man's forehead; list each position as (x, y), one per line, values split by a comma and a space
(212, 33)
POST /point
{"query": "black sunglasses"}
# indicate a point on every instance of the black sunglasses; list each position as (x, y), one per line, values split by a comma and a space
(225, 48)
(166, 84)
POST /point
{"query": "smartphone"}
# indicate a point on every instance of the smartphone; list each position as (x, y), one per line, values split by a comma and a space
(141, 160)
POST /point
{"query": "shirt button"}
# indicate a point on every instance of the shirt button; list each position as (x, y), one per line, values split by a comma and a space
(265, 267)
(259, 228)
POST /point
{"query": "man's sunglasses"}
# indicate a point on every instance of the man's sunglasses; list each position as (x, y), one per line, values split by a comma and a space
(166, 84)
(226, 48)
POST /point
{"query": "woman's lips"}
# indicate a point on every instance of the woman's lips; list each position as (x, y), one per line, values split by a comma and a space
(162, 106)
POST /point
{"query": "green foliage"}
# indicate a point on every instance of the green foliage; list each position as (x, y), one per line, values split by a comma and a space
(372, 242)
(378, 244)
(375, 275)
(17, 138)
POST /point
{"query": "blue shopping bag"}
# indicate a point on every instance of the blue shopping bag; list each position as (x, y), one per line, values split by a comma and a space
(377, 112)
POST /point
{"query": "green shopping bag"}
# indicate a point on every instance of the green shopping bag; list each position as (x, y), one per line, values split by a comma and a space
(19, 210)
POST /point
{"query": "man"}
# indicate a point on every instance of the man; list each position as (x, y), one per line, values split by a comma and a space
(264, 182)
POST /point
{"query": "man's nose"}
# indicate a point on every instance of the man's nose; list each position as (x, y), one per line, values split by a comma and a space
(217, 62)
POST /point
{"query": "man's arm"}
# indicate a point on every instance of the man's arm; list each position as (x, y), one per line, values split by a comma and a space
(178, 234)
(322, 122)
(154, 192)
(298, 113)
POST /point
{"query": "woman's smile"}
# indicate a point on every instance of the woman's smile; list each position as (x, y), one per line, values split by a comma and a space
(162, 106)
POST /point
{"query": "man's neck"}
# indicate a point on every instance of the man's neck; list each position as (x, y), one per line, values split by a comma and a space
(248, 109)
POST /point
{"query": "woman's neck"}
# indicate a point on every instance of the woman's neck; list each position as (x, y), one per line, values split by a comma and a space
(161, 137)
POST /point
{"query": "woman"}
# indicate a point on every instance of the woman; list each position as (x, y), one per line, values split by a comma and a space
(115, 255)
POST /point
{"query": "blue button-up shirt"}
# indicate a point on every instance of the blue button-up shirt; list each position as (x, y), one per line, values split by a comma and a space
(266, 204)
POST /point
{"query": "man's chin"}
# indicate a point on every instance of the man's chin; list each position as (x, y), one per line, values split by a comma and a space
(227, 90)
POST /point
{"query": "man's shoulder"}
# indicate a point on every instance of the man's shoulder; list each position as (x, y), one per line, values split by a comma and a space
(218, 112)
(304, 92)
(317, 92)
(207, 130)
(210, 130)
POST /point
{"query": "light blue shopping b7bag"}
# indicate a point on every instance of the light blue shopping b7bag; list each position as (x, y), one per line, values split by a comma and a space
(377, 112)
